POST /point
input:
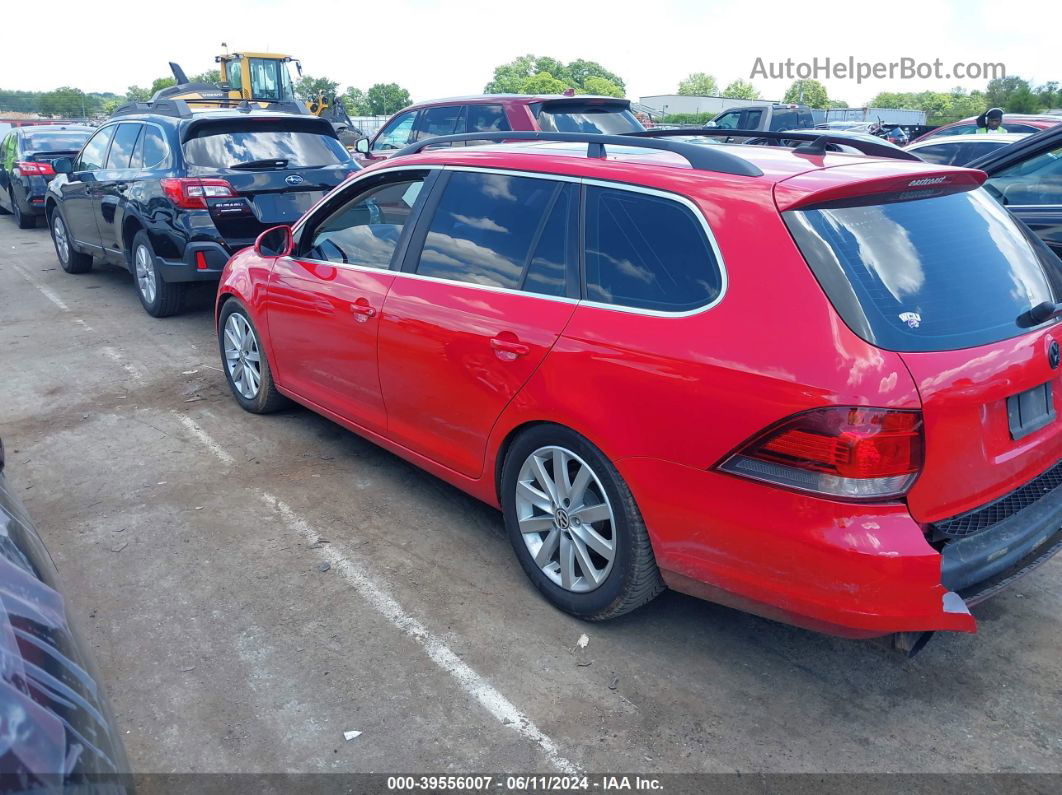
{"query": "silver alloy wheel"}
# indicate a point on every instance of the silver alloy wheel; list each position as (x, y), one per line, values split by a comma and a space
(242, 357)
(61, 242)
(145, 272)
(566, 519)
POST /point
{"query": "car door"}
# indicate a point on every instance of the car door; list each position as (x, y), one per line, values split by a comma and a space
(391, 138)
(488, 284)
(323, 302)
(79, 190)
(1031, 189)
(111, 182)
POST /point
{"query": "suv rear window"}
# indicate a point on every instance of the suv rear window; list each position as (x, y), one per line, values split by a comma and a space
(607, 118)
(63, 141)
(225, 146)
(931, 274)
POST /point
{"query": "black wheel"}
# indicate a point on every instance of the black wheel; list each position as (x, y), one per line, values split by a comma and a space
(159, 297)
(575, 527)
(245, 362)
(24, 220)
(71, 260)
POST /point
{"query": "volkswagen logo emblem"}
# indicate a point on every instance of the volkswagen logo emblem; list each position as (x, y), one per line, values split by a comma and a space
(563, 522)
(294, 179)
(1054, 355)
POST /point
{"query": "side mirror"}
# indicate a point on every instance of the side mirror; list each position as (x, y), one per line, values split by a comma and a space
(63, 165)
(274, 242)
(362, 146)
(711, 124)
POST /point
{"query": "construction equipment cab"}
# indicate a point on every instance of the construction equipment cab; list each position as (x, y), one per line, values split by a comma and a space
(254, 76)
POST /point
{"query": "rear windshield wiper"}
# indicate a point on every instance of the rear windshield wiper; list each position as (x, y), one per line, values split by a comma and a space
(1040, 313)
(270, 163)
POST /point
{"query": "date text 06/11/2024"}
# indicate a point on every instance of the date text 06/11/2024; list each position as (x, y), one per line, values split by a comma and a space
(529, 783)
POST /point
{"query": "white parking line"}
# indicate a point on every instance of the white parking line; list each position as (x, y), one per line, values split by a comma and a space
(386, 605)
(118, 359)
(441, 654)
(205, 438)
(44, 290)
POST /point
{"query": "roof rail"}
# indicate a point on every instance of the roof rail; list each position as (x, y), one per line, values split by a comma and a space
(702, 158)
(163, 107)
(814, 143)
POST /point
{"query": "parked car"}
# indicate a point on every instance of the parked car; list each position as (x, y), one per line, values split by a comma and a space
(1026, 178)
(847, 126)
(498, 113)
(958, 150)
(782, 419)
(1013, 123)
(59, 735)
(170, 194)
(897, 136)
(770, 116)
(26, 157)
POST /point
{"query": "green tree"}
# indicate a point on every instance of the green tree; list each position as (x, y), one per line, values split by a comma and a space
(1049, 96)
(308, 88)
(1000, 91)
(161, 83)
(699, 84)
(137, 94)
(212, 76)
(581, 71)
(513, 77)
(386, 98)
(356, 103)
(808, 92)
(110, 106)
(741, 89)
(67, 101)
(542, 83)
(601, 87)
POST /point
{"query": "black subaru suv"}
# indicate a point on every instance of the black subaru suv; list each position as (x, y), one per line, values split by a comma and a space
(170, 193)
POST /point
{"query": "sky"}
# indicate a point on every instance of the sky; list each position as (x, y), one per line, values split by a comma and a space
(439, 49)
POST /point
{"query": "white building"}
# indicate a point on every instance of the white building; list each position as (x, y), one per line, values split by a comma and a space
(664, 104)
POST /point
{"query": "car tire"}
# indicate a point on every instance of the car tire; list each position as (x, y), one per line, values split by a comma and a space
(70, 259)
(23, 220)
(547, 533)
(245, 362)
(158, 297)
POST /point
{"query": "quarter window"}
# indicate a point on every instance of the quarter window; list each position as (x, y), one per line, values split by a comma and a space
(647, 252)
(92, 156)
(487, 118)
(486, 228)
(438, 121)
(366, 230)
(153, 145)
(1036, 181)
(122, 148)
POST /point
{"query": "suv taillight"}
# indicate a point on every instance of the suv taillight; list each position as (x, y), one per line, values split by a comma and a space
(191, 193)
(28, 169)
(849, 453)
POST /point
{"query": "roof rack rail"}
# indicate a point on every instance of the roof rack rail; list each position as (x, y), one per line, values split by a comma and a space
(814, 143)
(163, 107)
(700, 157)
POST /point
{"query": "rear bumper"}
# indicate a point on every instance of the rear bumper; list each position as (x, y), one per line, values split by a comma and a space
(187, 269)
(844, 569)
(32, 193)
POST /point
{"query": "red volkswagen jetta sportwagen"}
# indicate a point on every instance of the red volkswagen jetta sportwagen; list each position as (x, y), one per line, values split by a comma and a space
(821, 387)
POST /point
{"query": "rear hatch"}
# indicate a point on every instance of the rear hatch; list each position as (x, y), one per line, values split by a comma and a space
(47, 146)
(933, 268)
(586, 114)
(278, 167)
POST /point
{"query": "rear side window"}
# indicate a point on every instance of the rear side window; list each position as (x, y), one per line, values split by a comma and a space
(933, 274)
(647, 252)
(434, 122)
(122, 148)
(1036, 181)
(231, 146)
(151, 149)
(487, 118)
(486, 228)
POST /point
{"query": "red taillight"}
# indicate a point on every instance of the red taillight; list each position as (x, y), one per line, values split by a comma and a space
(845, 452)
(191, 193)
(200, 261)
(28, 169)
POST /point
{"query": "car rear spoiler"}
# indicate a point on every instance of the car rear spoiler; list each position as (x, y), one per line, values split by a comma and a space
(821, 189)
(814, 143)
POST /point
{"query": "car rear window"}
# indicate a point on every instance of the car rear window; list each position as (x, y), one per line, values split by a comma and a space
(64, 141)
(225, 146)
(609, 119)
(931, 274)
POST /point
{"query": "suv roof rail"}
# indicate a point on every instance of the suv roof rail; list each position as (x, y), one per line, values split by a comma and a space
(702, 158)
(814, 142)
(163, 107)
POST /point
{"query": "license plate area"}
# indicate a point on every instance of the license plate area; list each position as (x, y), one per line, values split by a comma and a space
(1031, 410)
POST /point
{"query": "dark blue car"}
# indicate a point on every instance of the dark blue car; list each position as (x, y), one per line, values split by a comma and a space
(26, 158)
(170, 193)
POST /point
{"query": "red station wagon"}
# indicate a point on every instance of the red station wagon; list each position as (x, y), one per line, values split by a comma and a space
(820, 387)
(497, 113)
